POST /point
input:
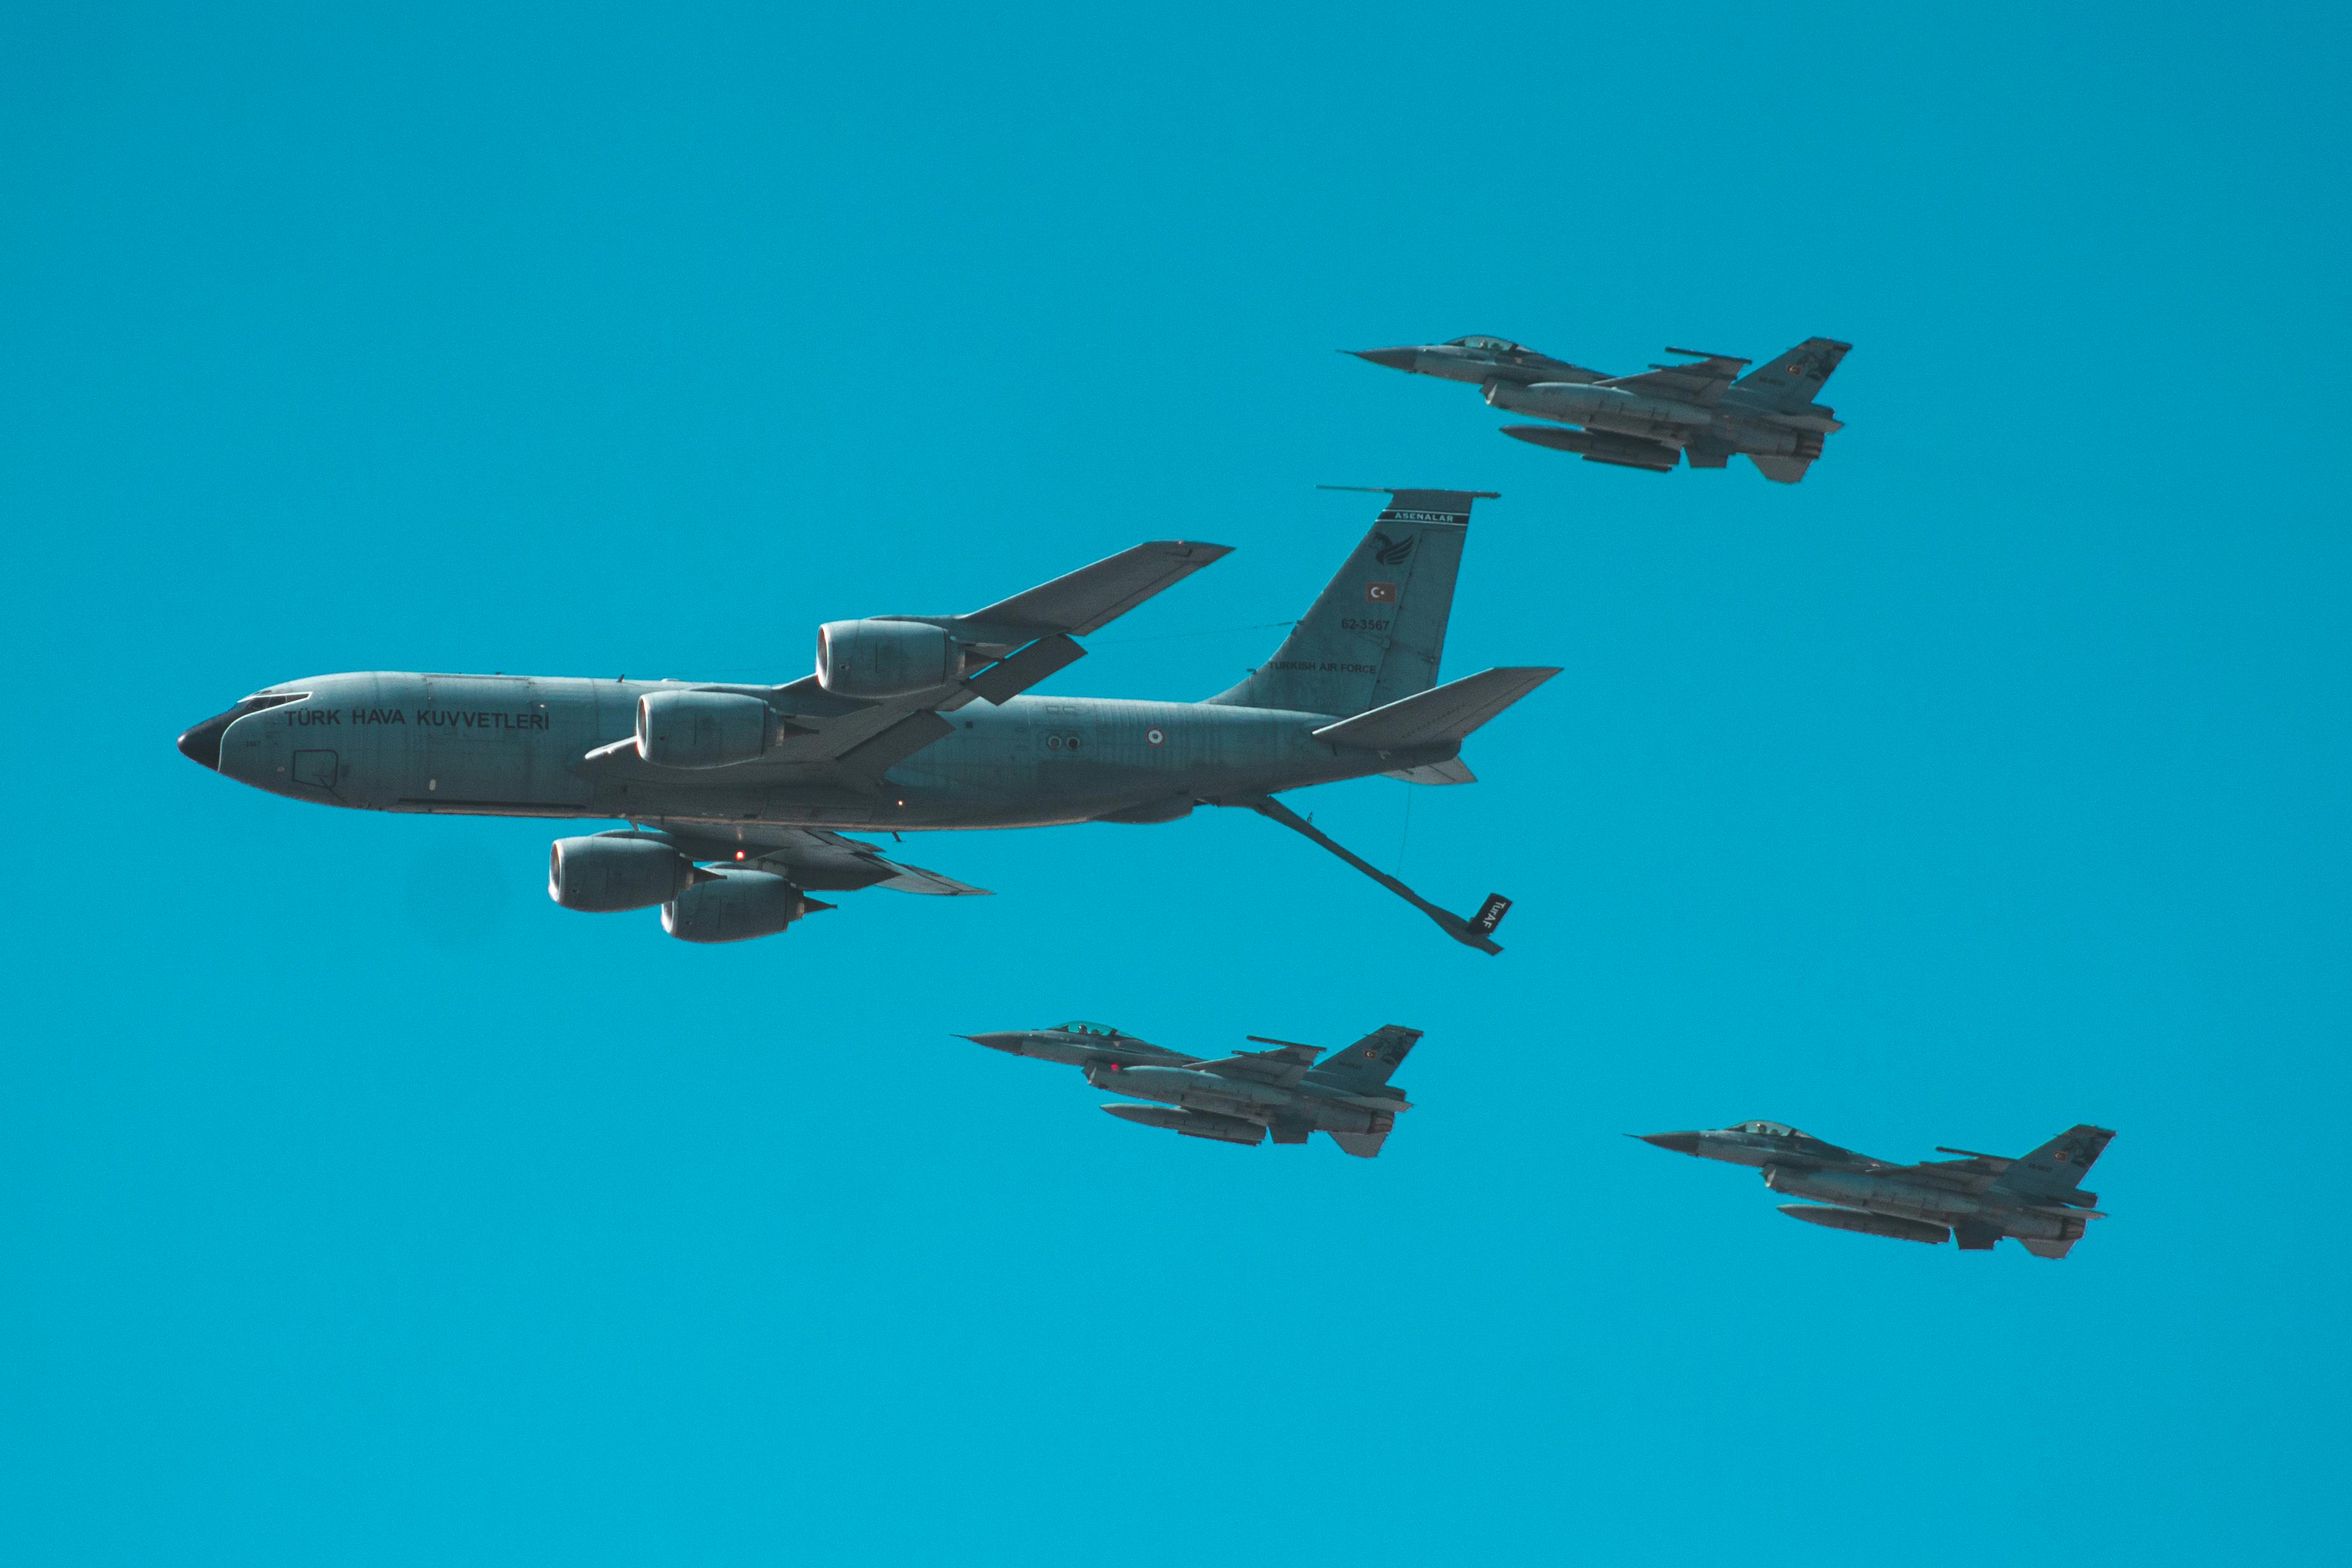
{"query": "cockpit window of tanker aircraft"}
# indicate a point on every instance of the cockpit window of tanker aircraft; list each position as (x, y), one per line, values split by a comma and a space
(735, 797)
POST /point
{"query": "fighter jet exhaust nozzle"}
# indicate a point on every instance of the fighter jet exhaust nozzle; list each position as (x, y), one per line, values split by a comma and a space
(604, 873)
(735, 907)
(878, 660)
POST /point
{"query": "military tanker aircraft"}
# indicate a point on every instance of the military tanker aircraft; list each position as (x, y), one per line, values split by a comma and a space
(1704, 411)
(735, 794)
(1978, 1198)
(1237, 1099)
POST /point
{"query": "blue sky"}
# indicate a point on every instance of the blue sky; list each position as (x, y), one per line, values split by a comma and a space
(357, 1205)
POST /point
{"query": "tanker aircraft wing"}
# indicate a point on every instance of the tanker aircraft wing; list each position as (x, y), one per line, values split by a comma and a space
(1025, 638)
(1090, 598)
(813, 858)
(1008, 646)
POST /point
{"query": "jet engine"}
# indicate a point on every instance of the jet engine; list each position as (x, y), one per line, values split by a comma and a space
(702, 729)
(734, 906)
(880, 659)
(610, 871)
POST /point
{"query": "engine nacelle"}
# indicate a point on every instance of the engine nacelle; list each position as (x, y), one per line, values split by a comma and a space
(702, 729)
(880, 659)
(733, 907)
(607, 873)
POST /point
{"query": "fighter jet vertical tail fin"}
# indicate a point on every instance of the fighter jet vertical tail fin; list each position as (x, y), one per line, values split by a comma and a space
(2058, 1166)
(1793, 379)
(1378, 630)
(1368, 1063)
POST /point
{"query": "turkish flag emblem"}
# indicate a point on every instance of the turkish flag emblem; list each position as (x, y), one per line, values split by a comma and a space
(1380, 593)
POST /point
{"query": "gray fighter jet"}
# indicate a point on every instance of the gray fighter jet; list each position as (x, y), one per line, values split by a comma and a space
(734, 794)
(1236, 1098)
(1704, 410)
(2038, 1200)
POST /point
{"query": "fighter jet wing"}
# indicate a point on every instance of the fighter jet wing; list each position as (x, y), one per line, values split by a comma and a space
(1281, 1067)
(811, 858)
(1702, 382)
(1972, 1174)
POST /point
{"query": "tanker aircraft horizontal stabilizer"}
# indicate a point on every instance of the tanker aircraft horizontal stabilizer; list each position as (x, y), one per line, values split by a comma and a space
(2037, 1199)
(735, 795)
(1236, 1098)
(1704, 410)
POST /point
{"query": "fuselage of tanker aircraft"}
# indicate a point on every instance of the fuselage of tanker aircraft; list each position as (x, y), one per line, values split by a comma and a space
(736, 795)
(2037, 1198)
(1705, 410)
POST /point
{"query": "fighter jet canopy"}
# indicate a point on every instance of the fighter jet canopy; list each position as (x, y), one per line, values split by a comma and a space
(1492, 345)
(1768, 1129)
(1079, 1026)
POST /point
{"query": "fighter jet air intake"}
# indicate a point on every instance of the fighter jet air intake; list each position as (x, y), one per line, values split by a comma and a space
(1704, 410)
(734, 795)
(2037, 1200)
(1234, 1099)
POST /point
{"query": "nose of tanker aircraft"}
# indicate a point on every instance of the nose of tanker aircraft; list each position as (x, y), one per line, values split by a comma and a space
(1394, 359)
(202, 742)
(1681, 1142)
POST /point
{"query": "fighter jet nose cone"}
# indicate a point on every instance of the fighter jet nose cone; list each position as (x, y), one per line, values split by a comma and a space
(1394, 359)
(202, 743)
(1681, 1142)
(1005, 1040)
